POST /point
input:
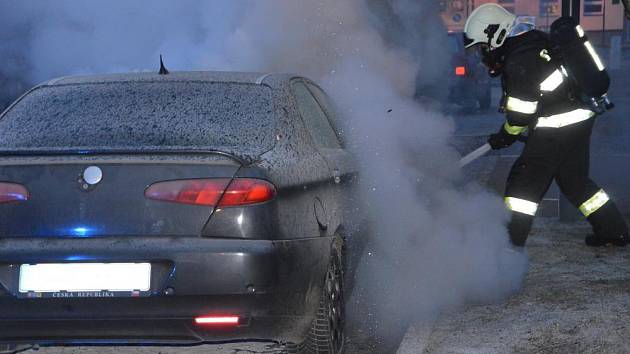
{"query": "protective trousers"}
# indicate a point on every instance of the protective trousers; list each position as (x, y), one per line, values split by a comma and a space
(562, 154)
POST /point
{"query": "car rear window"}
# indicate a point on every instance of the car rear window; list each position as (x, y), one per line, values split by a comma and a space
(135, 115)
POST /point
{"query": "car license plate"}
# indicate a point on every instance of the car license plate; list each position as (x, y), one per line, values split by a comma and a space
(89, 279)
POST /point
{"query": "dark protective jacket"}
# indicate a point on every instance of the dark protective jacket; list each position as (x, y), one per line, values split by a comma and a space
(537, 92)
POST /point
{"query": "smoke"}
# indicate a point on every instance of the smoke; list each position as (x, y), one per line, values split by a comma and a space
(435, 243)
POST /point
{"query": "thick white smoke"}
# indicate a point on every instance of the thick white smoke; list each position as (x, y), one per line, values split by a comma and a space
(434, 244)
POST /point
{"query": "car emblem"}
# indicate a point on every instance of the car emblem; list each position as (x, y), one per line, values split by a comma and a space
(91, 177)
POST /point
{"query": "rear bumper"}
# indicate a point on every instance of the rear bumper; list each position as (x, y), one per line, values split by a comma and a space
(274, 286)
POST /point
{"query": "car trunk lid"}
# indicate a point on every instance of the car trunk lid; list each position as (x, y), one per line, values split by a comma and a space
(60, 205)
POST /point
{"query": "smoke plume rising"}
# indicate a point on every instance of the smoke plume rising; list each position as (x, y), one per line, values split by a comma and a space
(434, 244)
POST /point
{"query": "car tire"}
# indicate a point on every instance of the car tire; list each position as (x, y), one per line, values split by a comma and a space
(327, 333)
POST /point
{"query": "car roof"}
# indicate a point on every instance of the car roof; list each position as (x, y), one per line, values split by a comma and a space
(273, 80)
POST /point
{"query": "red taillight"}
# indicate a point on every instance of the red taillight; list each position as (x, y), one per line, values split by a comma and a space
(244, 191)
(217, 320)
(189, 191)
(460, 71)
(213, 191)
(12, 192)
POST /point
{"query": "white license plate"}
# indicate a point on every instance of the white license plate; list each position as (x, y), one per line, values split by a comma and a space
(71, 277)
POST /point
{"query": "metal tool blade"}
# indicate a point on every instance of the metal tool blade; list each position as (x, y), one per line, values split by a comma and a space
(482, 150)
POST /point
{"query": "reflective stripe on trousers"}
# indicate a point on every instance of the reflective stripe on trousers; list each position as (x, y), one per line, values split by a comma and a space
(564, 119)
(594, 203)
(521, 206)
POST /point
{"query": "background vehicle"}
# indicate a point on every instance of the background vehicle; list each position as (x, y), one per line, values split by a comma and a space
(211, 201)
(468, 80)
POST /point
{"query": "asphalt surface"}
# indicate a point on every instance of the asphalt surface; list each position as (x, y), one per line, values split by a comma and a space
(574, 300)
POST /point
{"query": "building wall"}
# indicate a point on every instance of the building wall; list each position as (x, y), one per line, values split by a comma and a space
(455, 12)
(594, 21)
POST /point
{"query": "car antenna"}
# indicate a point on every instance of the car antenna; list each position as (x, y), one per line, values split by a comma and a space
(163, 70)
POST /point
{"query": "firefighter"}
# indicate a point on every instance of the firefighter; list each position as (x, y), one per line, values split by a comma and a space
(537, 101)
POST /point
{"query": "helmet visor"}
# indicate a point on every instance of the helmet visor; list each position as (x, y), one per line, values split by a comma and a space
(522, 24)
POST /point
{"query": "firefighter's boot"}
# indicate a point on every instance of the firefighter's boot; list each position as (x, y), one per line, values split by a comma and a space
(595, 241)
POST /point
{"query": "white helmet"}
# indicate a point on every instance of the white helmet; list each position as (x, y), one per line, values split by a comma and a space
(490, 24)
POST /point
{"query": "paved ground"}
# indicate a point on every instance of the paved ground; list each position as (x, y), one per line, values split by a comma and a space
(575, 300)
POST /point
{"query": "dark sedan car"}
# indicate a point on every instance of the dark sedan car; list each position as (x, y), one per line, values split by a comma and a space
(173, 209)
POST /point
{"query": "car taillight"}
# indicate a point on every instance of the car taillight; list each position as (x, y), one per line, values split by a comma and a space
(222, 192)
(460, 70)
(217, 320)
(244, 191)
(12, 192)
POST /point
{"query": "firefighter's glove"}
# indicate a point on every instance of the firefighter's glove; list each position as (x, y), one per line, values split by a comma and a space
(501, 140)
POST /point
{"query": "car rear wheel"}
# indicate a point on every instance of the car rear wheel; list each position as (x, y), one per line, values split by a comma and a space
(327, 333)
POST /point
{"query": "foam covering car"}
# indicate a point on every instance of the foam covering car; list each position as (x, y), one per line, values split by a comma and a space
(183, 208)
